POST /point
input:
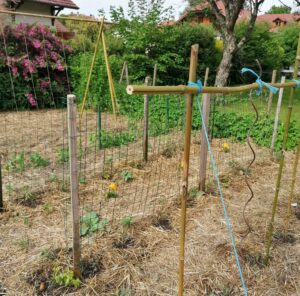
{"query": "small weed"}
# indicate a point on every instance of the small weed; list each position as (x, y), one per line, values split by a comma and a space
(49, 254)
(17, 163)
(27, 222)
(82, 180)
(54, 178)
(90, 223)
(194, 192)
(123, 292)
(63, 155)
(10, 187)
(169, 151)
(127, 176)
(65, 278)
(127, 221)
(111, 194)
(48, 208)
(38, 161)
(24, 244)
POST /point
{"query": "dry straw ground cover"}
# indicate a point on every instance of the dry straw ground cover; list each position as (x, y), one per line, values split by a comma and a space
(140, 258)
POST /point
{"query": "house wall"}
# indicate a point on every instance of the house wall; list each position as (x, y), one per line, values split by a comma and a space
(36, 8)
(3, 17)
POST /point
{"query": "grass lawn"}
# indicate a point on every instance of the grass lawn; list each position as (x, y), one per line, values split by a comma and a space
(240, 103)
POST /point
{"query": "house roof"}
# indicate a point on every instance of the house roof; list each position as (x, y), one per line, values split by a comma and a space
(200, 7)
(62, 3)
(284, 17)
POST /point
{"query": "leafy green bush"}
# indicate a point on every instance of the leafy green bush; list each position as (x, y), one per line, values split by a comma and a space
(90, 223)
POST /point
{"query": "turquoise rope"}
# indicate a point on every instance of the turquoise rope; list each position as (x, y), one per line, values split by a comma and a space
(222, 200)
(261, 83)
(298, 83)
(197, 84)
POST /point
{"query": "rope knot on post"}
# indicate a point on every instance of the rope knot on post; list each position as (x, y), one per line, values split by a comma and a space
(298, 83)
(261, 83)
(197, 84)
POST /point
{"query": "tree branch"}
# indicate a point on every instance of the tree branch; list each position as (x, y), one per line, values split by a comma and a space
(218, 14)
(255, 4)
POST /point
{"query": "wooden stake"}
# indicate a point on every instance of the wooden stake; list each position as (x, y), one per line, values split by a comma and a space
(1, 191)
(146, 123)
(91, 68)
(122, 73)
(280, 96)
(204, 146)
(154, 75)
(72, 133)
(186, 161)
(126, 74)
(206, 76)
(290, 199)
(269, 236)
(271, 94)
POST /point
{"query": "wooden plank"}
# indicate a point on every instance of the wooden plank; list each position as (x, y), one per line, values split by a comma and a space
(122, 73)
(154, 75)
(72, 135)
(204, 145)
(280, 96)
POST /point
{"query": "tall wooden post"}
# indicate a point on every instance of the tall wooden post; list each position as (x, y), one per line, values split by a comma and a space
(146, 123)
(204, 146)
(270, 230)
(206, 76)
(186, 161)
(72, 135)
(280, 96)
(122, 73)
(274, 73)
(126, 74)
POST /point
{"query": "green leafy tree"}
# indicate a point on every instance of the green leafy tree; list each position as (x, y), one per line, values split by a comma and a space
(279, 9)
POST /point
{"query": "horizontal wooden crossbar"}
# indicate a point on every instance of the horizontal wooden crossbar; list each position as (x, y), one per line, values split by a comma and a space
(184, 89)
(52, 17)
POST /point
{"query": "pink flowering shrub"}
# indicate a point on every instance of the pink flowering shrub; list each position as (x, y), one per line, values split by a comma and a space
(33, 67)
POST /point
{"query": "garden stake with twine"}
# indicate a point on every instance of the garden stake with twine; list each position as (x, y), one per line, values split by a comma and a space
(290, 199)
(270, 229)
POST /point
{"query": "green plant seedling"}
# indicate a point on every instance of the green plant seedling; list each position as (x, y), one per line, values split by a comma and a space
(54, 178)
(127, 221)
(48, 208)
(38, 161)
(63, 155)
(194, 192)
(17, 162)
(65, 278)
(24, 244)
(10, 187)
(91, 222)
(127, 176)
(111, 194)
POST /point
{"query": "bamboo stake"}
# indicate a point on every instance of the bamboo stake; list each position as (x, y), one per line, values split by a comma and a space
(290, 199)
(99, 123)
(280, 96)
(122, 73)
(184, 89)
(204, 146)
(146, 123)
(126, 74)
(281, 165)
(74, 183)
(186, 160)
(1, 191)
(154, 75)
(274, 73)
(109, 76)
(87, 20)
(91, 69)
(206, 76)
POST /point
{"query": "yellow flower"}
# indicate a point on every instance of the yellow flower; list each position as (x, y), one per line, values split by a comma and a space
(113, 186)
(226, 147)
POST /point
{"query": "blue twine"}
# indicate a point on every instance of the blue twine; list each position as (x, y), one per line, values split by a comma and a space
(197, 84)
(222, 200)
(298, 83)
(261, 83)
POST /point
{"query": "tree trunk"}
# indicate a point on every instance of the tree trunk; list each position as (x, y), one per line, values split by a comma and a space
(226, 63)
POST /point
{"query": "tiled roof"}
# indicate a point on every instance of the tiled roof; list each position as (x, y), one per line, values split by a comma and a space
(63, 3)
(285, 17)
